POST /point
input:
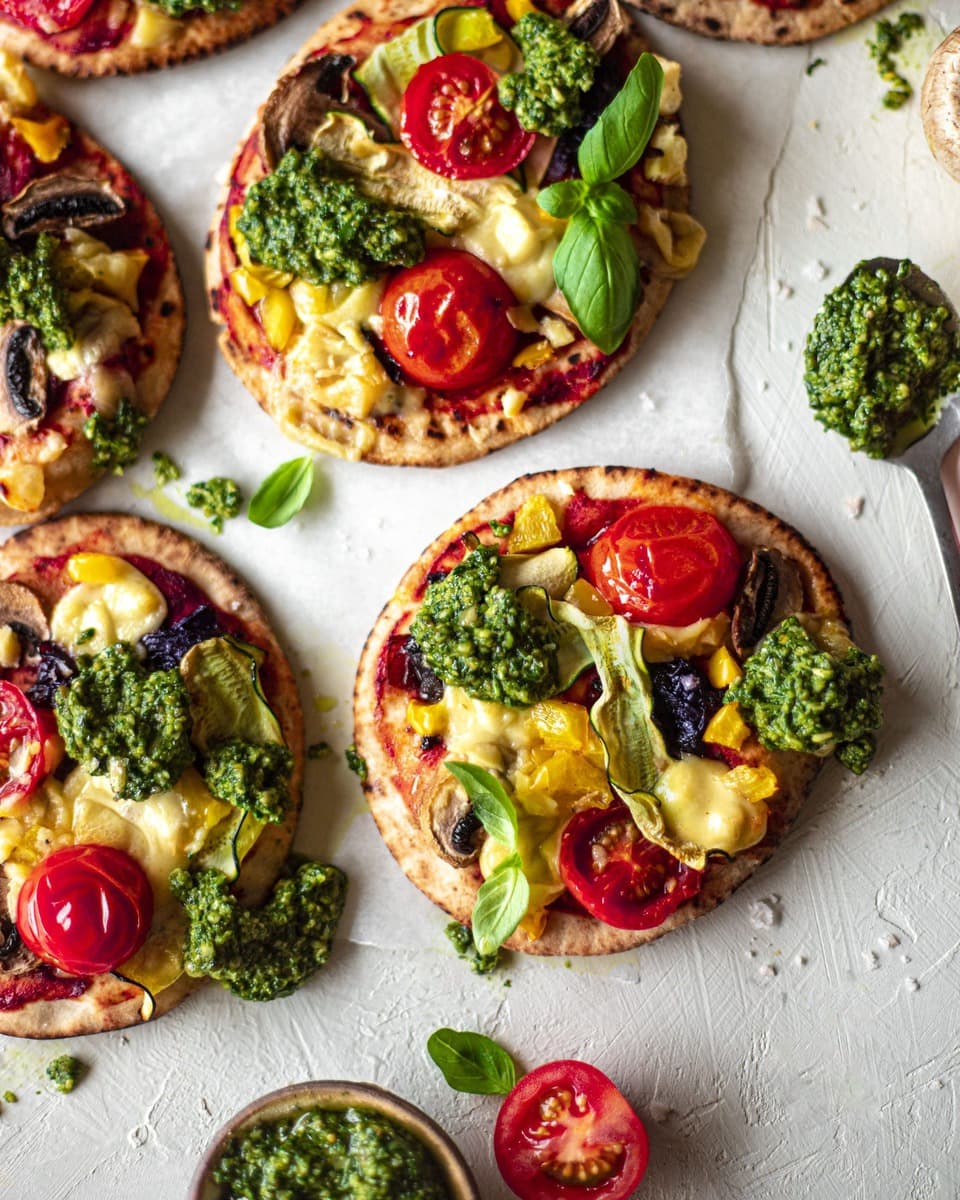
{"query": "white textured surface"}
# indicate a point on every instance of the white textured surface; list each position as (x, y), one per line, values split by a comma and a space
(802, 1041)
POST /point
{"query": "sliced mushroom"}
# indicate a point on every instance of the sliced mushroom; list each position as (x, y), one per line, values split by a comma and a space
(15, 958)
(940, 104)
(300, 102)
(23, 612)
(448, 817)
(56, 202)
(23, 377)
(599, 22)
(772, 589)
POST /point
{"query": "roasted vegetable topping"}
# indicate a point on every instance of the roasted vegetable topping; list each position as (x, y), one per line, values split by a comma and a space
(683, 703)
(799, 695)
(477, 635)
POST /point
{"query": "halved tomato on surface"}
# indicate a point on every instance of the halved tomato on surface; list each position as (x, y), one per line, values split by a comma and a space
(445, 320)
(30, 746)
(51, 16)
(617, 875)
(567, 1131)
(452, 121)
(665, 564)
(85, 909)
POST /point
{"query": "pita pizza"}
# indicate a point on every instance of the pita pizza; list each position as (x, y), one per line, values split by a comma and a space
(772, 22)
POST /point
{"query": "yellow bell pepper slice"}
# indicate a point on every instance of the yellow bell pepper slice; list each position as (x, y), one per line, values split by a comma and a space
(427, 720)
(753, 783)
(96, 568)
(722, 668)
(47, 139)
(727, 728)
(586, 597)
(534, 527)
(279, 317)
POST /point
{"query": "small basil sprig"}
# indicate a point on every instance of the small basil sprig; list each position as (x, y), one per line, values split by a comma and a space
(471, 1062)
(596, 265)
(283, 493)
(503, 897)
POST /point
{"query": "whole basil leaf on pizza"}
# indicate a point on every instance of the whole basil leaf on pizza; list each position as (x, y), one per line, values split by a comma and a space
(594, 706)
(449, 226)
(772, 22)
(152, 743)
(91, 309)
(119, 37)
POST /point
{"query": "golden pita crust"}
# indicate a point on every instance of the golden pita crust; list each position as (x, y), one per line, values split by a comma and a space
(382, 737)
(162, 323)
(203, 34)
(419, 438)
(749, 21)
(112, 1003)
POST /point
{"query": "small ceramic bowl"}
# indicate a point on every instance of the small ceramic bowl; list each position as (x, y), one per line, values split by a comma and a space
(339, 1094)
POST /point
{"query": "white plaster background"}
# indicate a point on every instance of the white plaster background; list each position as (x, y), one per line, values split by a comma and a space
(817, 1056)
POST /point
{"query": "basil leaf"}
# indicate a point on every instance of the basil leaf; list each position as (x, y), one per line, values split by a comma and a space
(620, 136)
(472, 1063)
(564, 198)
(609, 202)
(492, 807)
(597, 269)
(500, 906)
(283, 493)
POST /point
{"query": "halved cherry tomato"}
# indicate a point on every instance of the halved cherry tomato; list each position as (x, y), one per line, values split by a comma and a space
(617, 875)
(85, 909)
(665, 564)
(445, 320)
(50, 16)
(452, 122)
(566, 1131)
(30, 746)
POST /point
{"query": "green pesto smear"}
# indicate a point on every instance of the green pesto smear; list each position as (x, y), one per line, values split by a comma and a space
(115, 440)
(879, 360)
(219, 499)
(476, 635)
(65, 1072)
(329, 1154)
(266, 952)
(253, 777)
(323, 229)
(558, 69)
(119, 720)
(801, 693)
(32, 290)
(461, 937)
(888, 41)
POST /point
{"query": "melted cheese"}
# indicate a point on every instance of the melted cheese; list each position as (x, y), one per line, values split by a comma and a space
(701, 803)
(119, 609)
(101, 325)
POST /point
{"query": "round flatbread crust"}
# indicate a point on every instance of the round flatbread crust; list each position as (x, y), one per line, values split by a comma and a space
(749, 21)
(112, 1003)
(380, 724)
(162, 324)
(417, 438)
(203, 34)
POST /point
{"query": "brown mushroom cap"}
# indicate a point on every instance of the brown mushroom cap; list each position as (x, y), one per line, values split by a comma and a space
(23, 377)
(599, 22)
(56, 202)
(772, 589)
(448, 817)
(940, 104)
(21, 609)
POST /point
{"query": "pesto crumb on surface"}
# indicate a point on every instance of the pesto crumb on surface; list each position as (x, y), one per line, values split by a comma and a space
(10, 1097)
(165, 470)
(480, 964)
(319, 750)
(888, 40)
(219, 499)
(356, 762)
(65, 1072)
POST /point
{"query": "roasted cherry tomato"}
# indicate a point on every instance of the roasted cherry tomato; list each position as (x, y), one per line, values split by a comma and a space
(665, 565)
(452, 122)
(617, 875)
(52, 16)
(566, 1131)
(85, 909)
(445, 320)
(30, 746)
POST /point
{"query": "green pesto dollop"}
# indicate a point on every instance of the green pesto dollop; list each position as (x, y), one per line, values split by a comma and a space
(32, 290)
(260, 953)
(461, 937)
(329, 1154)
(323, 229)
(250, 776)
(879, 360)
(219, 499)
(183, 8)
(165, 470)
(477, 635)
(65, 1072)
(119, 720)
(116, 440)
(558, 70)
(889, 37)
(800, 695)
